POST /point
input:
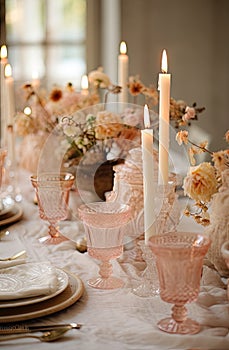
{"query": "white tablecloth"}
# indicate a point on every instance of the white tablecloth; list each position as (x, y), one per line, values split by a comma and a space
(116, 319)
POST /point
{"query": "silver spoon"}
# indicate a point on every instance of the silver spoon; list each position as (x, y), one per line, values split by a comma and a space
(45, 337)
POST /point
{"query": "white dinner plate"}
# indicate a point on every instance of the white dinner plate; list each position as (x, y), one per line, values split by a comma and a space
(69, 296)
(62, 283)
(12, 216)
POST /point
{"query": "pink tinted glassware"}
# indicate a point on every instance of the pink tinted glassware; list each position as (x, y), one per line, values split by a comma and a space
(104, 224)
(179, 259)
(52, 192)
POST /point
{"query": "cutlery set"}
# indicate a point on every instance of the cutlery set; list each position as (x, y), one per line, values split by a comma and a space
(49, 332)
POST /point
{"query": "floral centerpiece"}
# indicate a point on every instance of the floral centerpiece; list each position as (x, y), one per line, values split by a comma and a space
(100, 129)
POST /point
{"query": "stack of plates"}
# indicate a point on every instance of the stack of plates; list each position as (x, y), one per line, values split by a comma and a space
(69, 290)
(9, 213)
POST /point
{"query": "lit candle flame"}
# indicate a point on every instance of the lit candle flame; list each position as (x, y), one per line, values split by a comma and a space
(164, 62)
(27, 110)
(123, 48)
(84, 82)
(146, 117)
(3, 53)
(8, 70)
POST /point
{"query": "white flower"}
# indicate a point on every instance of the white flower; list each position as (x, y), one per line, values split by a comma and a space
(190, 113)
(99, 79)
(200, 183)
(70, 130)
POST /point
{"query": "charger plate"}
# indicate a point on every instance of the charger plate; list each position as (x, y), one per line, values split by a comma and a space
(69, 296)
(13, 215)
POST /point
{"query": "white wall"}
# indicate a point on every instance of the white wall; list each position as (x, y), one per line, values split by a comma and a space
(196, 36)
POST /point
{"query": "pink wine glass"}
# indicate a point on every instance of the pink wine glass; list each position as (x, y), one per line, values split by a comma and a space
(179, 260)
(104, 224)
(52, 192)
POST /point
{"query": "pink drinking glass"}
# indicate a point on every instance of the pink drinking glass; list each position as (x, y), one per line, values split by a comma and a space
(179, 260)
(52, 192)
(104, 224)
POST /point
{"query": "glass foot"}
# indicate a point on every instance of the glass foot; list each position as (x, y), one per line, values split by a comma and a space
(188, 326)
(106, 283)
(52, 240)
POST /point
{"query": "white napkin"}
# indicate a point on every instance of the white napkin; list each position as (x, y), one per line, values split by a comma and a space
(10, 263)
(27, 280)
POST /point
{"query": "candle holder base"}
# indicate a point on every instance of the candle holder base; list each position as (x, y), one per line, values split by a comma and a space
(149, 286)
(167, 218)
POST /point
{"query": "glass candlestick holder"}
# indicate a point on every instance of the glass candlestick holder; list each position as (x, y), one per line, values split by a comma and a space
(149, 285)
(167, 217)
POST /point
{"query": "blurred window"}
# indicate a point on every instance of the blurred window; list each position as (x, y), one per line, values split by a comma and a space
(47, 39)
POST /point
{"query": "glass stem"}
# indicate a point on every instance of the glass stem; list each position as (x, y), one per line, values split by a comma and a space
(105, 269)
(179, 313)
(53, 231)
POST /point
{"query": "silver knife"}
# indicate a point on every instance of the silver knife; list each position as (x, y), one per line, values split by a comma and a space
(20, 329)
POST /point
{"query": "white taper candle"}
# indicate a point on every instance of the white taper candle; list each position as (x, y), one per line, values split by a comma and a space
(164, 106)
(148, 176)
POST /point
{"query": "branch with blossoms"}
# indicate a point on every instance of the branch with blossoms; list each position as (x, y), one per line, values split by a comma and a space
(137, 88)
(203, 180)
(31, 93)
(99, 80)
(180, 113)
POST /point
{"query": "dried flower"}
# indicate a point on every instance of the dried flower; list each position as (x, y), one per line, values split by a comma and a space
(56, 94)
(182, 136)
(108, 125)
(191, 154)
(201, 183)
(221, 160)
(135, 85)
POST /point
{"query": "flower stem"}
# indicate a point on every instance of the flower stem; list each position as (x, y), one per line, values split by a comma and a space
(203, 148)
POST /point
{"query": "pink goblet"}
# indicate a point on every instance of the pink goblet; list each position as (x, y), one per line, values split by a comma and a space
(52, 192)
(104, 224)
(179, 260)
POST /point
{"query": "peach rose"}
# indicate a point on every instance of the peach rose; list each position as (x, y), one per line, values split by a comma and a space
(108, 125)
(200, 183)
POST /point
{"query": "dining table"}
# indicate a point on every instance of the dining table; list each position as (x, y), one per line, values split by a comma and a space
(111, 319)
